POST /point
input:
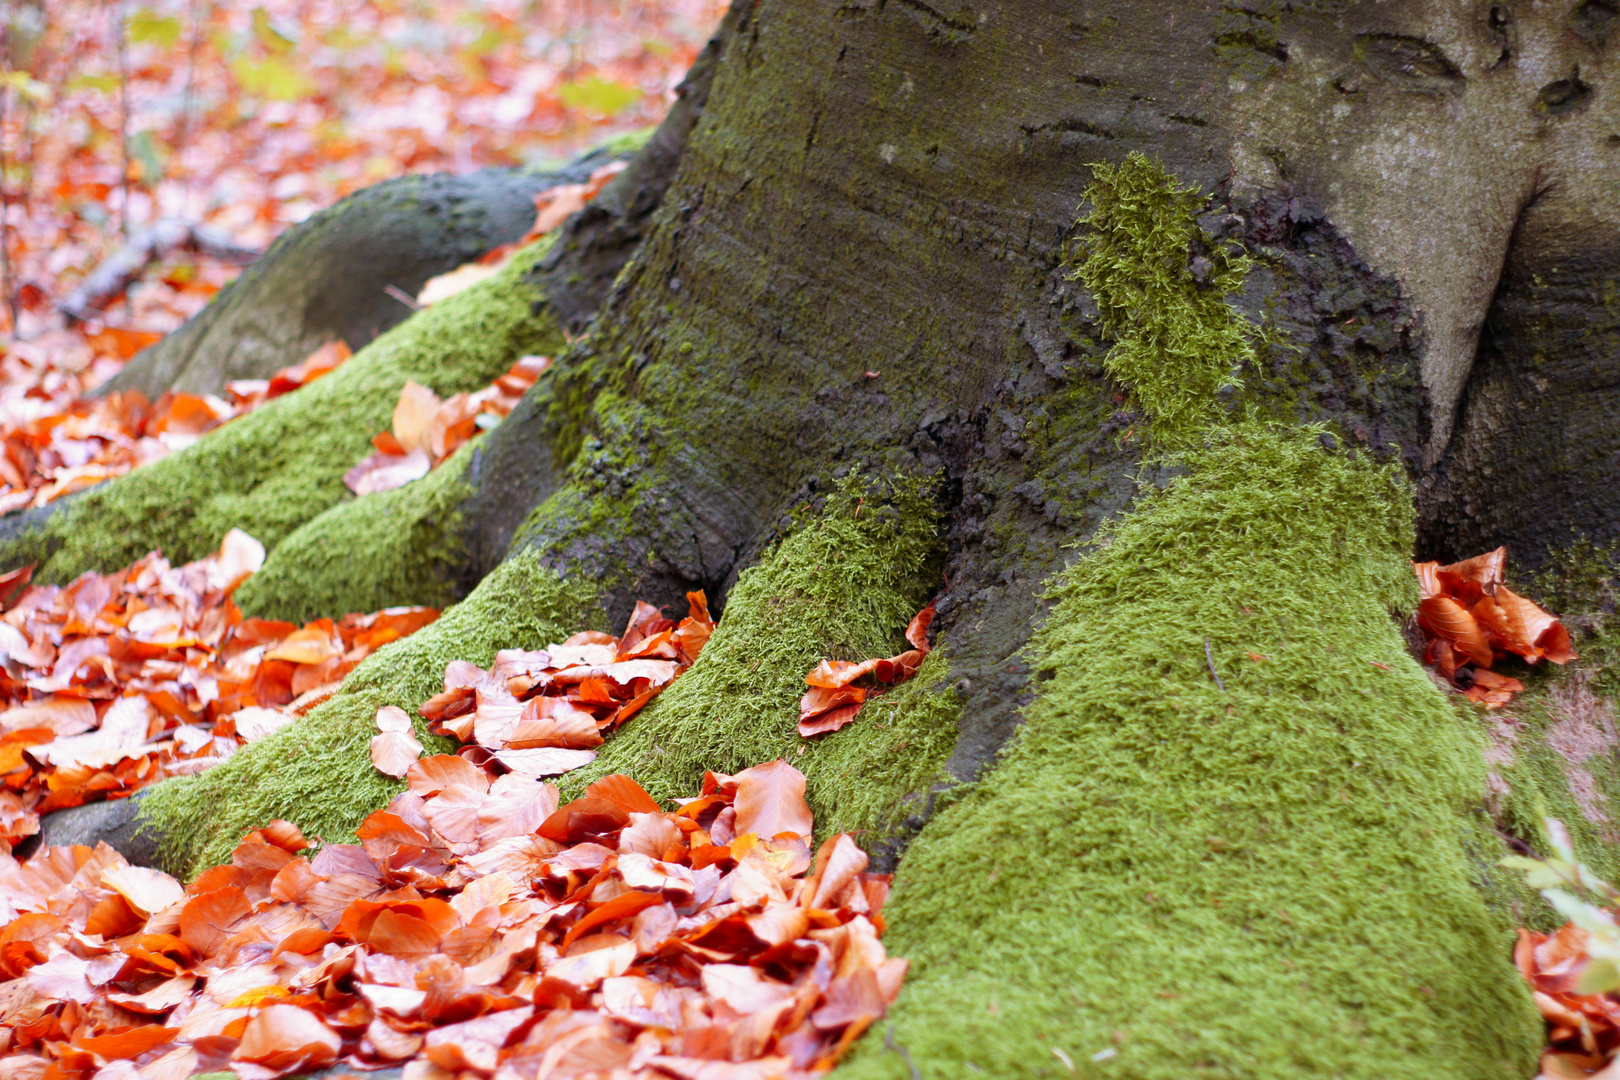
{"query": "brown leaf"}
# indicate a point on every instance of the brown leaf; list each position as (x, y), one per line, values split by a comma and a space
(433, 774)
(770, 801)
(394, 752)
(384, 472)
(1470, 579)
(145, 889)
(1447, 619)
(288, 1038)
(619, 788)
(545, 761)
(413, 416)
(822, 710)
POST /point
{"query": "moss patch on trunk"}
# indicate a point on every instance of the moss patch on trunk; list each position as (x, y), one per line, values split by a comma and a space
(318, 772)
(843, 585)
(1267, 880)
(274, 469)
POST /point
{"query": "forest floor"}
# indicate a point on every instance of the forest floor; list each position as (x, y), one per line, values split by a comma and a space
(239, 120)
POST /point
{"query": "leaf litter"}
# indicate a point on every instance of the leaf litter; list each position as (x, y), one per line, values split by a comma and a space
(839, 688)
(1471, 621)
(90, 440)
(426, 430)
(117, 681)
(481, 928)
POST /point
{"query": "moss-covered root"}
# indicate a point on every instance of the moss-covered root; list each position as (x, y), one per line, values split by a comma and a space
(278, 467)
(318, 771)
(843, 585)
(403, 546)
(1163, 878)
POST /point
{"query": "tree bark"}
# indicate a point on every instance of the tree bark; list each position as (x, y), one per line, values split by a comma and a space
(1172, 787)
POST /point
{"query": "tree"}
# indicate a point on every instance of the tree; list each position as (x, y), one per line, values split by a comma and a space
(1172, 796)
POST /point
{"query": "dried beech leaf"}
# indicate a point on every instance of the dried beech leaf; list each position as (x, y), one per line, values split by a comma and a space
(1447, 619)
(394, 752)
(770, 801)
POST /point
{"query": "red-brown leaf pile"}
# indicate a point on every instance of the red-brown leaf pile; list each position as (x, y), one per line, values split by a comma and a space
(96, 439)
(477, 930)
(119, 680)
(426, 430)
(1583, 1030)
(243, 119)
(1472, 620)
(834, 698)
(543, 712)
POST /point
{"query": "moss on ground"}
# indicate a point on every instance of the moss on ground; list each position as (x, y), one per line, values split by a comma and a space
(280, 466)
(843, 585)
(318, 772)
(393, 547)
(1269, 880)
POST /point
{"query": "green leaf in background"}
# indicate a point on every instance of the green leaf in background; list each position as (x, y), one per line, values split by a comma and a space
(104, 83)
(147, 26)
(268, 35)
(146, 148)
(28, 88)
(271, 78)
(598, 95)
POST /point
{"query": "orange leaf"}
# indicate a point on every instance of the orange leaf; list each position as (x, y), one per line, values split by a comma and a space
(413, 416)
(1472, 578)
(207, 920)
(1445, 618)
(622, 906)
(619, 789)
(917, 630)
(286, 1038)
(770, 801)
(127, 1042)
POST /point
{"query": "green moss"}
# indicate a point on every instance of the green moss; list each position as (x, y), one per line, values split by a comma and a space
(364, 554)
(844, 585)
(1269, 880)
(1239, 833)
(317, 772)
(278, 467)
(1177, 343)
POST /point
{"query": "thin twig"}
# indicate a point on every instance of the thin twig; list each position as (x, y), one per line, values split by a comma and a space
(6, 285)
(402, 296)
(123, 118)
(888, 1041)
(186, 100)
(1210, 660)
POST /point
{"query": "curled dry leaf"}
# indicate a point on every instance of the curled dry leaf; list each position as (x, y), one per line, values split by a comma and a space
(427, 430)
(1472, 619)
(833, 699)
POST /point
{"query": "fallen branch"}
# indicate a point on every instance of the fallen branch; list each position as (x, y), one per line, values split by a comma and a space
(124, 267)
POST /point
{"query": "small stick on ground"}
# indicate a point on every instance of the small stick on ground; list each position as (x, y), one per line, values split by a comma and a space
(1210, 660)
(888, 1041)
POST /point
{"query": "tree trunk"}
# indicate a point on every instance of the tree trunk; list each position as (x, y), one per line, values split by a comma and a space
(1172, 796)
